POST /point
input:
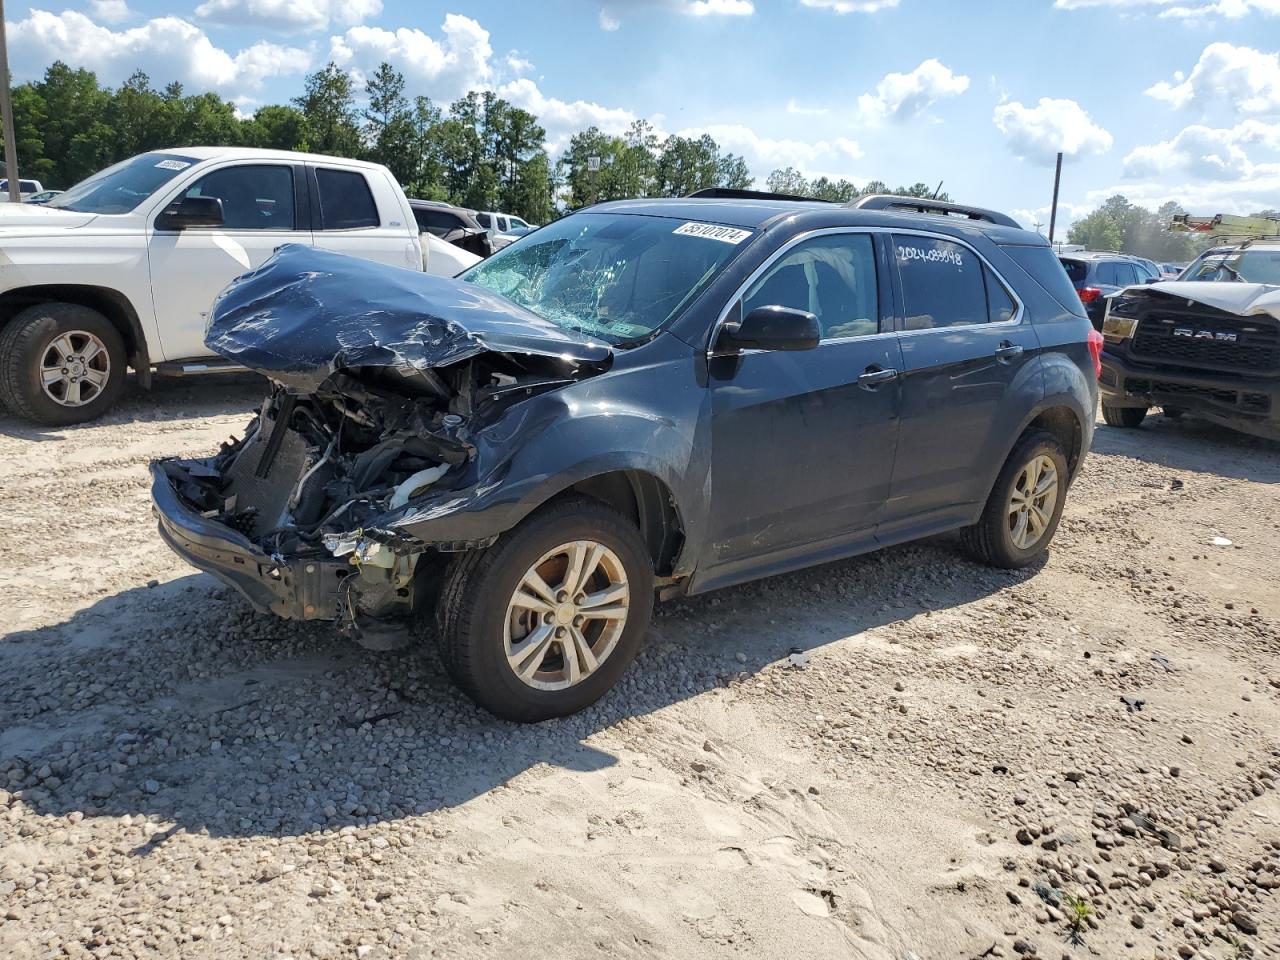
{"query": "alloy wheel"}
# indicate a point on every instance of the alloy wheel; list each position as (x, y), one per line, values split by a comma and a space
(566, 615)
(1032, 502)
(74, 368)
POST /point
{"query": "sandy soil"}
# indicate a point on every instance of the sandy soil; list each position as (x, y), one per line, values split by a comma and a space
(900, 756)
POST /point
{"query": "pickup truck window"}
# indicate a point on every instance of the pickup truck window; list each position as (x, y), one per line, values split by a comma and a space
(254, 197)
(345, 200)
(120, 188)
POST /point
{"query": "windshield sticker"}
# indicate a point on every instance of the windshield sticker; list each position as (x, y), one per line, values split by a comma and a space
(172, 165)
(935, 255)
(712, 231)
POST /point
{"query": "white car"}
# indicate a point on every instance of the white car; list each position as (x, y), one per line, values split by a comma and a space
(121, 269)
(503, 228)
(26, 189)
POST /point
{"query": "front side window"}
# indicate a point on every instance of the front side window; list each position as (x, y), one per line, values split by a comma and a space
(254, 197)
(1260, 264)
(120, 188)
(942, 283)
(832, 277)
(345, 200)
(619, 277)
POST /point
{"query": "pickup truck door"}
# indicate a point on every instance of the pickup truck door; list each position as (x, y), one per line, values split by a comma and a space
(358, 212)
(264, 206)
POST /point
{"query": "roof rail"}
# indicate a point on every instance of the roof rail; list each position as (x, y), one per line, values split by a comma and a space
(732, 193)
(938, 207)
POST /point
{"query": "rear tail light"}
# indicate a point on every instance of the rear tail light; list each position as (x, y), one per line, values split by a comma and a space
(1089, 294)
(1095, 351)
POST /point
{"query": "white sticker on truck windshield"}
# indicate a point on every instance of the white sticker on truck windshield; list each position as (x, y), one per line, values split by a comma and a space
(172, 165)
(712, 231)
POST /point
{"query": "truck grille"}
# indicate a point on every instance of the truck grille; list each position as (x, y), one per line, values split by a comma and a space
(1221, 343)
(1246, 401)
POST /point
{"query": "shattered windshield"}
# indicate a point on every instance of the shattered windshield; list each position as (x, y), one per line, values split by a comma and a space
(120, 188)
(615, 276)
(1252, 265)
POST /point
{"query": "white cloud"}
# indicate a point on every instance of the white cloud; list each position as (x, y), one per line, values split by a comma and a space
(850, 147)
(1206, 153)
(110, 11)
(796, 108)
(613, 12)
(1182, 9)
(167, 48)
(850, 6)
(441, 69)
(288, 16)
(901, 96)
(1038, 133)
(1249, 195)
(518, 64)
(563, 118)
(1244, 79)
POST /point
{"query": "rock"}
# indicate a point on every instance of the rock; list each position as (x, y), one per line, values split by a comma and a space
(1024, 837)
(102, 788)
(1073, 776)
(1244, 922)
(151, 786)
(1024, 948)
(1138, 921)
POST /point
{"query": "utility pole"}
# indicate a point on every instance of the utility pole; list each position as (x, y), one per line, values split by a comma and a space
(6, 114)
(1053, 212)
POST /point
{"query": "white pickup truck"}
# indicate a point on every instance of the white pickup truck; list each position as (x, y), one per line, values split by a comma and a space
(120, 270)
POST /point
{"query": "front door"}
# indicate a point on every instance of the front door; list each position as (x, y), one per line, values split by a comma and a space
(966, 345)
(260, 210)
(803, 442)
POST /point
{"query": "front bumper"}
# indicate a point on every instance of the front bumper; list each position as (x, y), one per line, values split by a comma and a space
(1242, 403)
(301, 588)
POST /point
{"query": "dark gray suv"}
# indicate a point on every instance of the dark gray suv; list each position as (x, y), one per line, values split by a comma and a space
(646, 398)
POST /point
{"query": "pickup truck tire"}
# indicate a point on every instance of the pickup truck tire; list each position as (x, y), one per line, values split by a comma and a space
(574, 647)
(36, 339)
(1124, 417)
(1038, 461)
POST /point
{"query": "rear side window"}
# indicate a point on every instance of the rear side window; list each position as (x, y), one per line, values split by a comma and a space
(942, 283)
(484, 220)
(439, 222)
(345, 200)
(1077, 270)
(1108, 272)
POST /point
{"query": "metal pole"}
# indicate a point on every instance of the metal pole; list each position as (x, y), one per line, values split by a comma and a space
(1053, 212)
(6, 114)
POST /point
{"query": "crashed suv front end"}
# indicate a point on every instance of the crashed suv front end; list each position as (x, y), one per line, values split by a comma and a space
(388, 434)
(1211, 349)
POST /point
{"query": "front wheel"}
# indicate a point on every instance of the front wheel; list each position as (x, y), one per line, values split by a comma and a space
(545, 621)
(1124, 417)
(1025, 505)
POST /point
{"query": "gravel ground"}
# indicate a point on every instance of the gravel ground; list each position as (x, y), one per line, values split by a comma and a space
(900, 756)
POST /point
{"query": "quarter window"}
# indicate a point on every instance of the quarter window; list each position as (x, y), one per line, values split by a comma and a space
(1000, 305)
(256, 197)
(832, 277)
(345, 200)
(942, 283)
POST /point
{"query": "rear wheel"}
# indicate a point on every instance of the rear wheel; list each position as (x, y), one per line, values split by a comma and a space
(546, 620)
(60, 363)
(1124, 417)
(1025, 505)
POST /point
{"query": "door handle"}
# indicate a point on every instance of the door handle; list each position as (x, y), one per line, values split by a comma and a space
(1007, 350)
(874, 376)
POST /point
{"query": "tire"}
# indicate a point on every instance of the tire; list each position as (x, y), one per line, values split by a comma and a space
(993, 539)
(43, 333)
(477, 628)
(1124, 417)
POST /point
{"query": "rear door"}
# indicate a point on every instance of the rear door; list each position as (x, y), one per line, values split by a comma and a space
(355, 216)
(966, 343)
(803, 442)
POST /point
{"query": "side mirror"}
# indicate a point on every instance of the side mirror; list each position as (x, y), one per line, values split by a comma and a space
(191, 212)
(770, 328)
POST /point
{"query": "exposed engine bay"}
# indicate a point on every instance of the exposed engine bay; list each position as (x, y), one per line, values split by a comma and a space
(372, 414)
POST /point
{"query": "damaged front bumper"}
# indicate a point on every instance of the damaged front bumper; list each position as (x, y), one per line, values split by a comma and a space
(295, 588)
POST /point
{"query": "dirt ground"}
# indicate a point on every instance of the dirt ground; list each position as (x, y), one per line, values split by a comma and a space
(900, 756)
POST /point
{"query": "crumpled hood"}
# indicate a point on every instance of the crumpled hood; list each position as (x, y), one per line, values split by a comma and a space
(20, 217)
(1245, 299)
(307, 313)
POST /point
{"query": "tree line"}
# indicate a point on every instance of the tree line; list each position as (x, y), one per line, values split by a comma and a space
(1123, 227)
(479, 151)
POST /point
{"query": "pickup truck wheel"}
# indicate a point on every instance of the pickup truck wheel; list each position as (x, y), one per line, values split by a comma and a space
(1025, 505)
(545, 621)
(60, 363)
(1125, 417)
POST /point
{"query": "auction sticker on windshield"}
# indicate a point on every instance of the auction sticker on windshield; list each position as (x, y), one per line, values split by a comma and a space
(172, 165)
(712, 231)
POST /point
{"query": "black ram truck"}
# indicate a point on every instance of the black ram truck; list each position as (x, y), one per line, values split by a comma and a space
(1207, 343)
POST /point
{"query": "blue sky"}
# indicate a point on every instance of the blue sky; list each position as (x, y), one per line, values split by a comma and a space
(1158, 99)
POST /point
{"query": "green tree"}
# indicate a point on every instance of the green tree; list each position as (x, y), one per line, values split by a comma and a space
(388, 129)
(328, 111)
(275, 127)
(1097, 231)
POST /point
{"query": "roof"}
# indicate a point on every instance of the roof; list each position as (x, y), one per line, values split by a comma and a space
(759, 214)
(1097, 255)
(257, 153)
